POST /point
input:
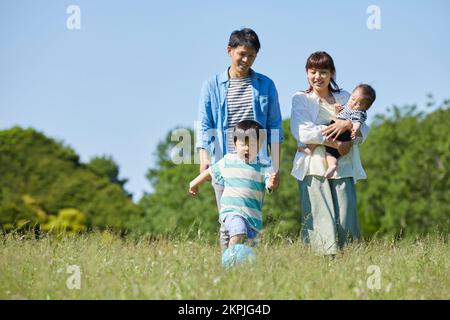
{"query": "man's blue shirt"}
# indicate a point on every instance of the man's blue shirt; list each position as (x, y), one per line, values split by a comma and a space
(213, 112)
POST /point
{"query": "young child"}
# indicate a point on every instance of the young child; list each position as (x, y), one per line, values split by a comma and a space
(355, 110)
(245, 180)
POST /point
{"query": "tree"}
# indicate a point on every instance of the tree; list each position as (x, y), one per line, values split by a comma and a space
(406, 157)
(51, 174)
(105, 166)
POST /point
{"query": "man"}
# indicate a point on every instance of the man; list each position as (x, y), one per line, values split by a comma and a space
(235, 95)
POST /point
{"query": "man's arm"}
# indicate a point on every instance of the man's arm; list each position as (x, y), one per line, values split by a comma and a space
(275, 154)
(206, 123)
(274, 124)
(205, 162)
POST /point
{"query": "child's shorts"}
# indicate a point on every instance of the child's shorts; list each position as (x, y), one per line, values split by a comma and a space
(236, 224)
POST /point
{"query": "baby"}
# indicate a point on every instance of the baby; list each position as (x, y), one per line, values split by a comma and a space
(355, 110)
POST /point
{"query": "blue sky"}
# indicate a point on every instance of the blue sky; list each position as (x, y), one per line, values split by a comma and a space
(134, 69)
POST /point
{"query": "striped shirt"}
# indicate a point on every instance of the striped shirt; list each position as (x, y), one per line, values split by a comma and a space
(240, 106)
(353, 115)
(244, 187)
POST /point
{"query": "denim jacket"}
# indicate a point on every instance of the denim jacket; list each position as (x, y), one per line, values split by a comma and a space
(213, 112)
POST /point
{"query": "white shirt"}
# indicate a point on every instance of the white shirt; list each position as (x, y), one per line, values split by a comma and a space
(304, 112)
(240, 106)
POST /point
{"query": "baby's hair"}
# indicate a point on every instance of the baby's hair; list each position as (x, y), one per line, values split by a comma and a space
(368, 93)
(245, 129)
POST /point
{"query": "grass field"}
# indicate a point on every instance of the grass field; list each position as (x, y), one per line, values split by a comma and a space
(115, 268)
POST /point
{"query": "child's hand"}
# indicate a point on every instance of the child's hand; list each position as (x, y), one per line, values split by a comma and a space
(272, 183)
(193, 190)
(338, 107)
(355, 129)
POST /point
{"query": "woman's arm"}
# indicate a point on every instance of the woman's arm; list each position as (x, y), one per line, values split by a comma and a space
(303, 127)
(342, 146)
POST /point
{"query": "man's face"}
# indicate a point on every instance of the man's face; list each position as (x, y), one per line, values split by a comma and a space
(242, 58)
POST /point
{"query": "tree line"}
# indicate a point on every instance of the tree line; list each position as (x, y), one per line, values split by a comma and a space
(45, 186)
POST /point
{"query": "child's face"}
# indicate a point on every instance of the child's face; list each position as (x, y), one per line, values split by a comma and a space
(356, 101)
(247, 150)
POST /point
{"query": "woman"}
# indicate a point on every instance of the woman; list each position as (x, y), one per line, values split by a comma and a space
(329, 212)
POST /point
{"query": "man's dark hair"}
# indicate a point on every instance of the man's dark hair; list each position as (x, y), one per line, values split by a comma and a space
(246, 129)
(244, 37)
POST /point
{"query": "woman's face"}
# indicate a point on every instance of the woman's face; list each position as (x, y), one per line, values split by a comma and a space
(319, 79)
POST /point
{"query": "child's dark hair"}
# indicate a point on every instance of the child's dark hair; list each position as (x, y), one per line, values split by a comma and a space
(322, 60)
(368, 93)
(245, 129)
(244, 37)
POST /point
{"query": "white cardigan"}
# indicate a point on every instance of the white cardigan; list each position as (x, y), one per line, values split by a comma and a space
(304, 112)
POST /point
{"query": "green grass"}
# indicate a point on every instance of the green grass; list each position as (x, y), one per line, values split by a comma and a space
(115, 268)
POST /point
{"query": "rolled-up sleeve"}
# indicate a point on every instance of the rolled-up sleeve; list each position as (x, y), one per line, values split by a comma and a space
(205, 118)
(274, 120)
(302, 123)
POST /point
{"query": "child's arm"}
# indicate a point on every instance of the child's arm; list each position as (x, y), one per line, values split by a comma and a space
(201, 178)
(355, 128)
(338, 107)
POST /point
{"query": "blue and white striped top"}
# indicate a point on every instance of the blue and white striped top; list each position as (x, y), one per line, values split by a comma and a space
(353, 115)
(244, 188)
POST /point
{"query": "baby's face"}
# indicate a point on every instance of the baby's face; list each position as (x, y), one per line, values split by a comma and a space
(356, 101)
(246, 150)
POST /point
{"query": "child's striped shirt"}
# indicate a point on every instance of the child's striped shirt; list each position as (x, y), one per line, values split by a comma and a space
(244, 188)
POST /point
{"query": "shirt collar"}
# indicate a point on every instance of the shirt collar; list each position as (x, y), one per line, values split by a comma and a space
(336, 95)
(224, 75)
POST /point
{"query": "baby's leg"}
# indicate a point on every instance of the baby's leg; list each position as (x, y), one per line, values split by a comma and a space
(332, 165)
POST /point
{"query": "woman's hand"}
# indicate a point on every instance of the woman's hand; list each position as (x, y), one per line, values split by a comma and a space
(337, 128)
(309, 149)
(342, 146)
